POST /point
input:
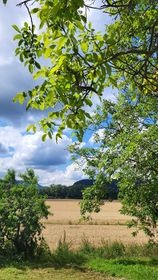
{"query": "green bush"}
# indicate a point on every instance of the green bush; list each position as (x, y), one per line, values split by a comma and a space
(21, 210)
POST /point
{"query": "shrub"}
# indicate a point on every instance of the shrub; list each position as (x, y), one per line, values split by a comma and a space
(21, 210)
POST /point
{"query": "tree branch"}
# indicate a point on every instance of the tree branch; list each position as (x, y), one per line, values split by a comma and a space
(23, 2)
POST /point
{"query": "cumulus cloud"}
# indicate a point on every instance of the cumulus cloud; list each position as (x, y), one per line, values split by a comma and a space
(3, 150)
(30, 151)
(14, 76)
(43, 155)
(68, 176)
(51, 161)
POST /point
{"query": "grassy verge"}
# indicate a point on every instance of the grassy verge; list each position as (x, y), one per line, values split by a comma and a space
(109, 261)
(132, 262)
(131, 269)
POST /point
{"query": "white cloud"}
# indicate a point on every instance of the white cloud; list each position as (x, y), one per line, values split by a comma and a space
(98, 17)
(48, 158)
(71, 174)
(100, 133)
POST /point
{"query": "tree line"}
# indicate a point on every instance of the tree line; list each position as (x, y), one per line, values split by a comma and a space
(76, 190)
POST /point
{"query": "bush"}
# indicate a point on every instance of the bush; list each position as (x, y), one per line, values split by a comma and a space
(21, 210)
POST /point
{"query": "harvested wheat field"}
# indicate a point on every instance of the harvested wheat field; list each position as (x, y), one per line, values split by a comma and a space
(107, 225)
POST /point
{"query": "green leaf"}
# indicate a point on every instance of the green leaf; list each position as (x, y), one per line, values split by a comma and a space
(88, 102)
(108, 68)
(31, 68)
(44, 136)
(42, 106)
(16, 28)
(20, 97)
(58, 135)
(31, 127)
(17, 37)
(21, 57)
(79, 25)
(35, 10)
(50, 134)
(61, 42)
(37, 65)
(84, 46)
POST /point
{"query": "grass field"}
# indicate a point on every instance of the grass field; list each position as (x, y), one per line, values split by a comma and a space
(107, 225)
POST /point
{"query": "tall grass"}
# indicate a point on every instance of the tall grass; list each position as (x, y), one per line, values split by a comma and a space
(132, 262)
(112, 250)
(64, 256)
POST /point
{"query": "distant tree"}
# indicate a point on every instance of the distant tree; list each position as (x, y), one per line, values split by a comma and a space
(76, 190)
(21, 210)
(10, 177)
(29, 177)
(58, 191)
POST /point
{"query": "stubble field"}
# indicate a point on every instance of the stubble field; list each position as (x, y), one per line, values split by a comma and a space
(107, 225)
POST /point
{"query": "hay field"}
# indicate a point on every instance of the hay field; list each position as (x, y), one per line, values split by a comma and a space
(108, 224)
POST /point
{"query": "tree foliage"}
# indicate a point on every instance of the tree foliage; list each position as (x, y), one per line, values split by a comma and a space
(21, 210)
(125, 148)
(82, 62)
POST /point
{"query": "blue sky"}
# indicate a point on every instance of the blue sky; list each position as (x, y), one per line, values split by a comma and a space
(19, 150)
